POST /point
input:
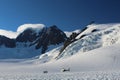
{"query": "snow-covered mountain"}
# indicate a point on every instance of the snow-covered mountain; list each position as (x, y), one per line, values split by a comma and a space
(35, 39)
(95, 36)
(92, 54)
(92, 37)
(31, 40)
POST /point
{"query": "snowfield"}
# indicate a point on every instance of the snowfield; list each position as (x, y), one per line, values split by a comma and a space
(99, 75)
(98, 64)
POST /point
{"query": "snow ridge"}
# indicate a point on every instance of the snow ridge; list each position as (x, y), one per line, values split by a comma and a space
(105, 35)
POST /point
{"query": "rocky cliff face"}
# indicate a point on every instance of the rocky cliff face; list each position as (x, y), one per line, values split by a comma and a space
(27, 36)
(6, 42)
(52, 36)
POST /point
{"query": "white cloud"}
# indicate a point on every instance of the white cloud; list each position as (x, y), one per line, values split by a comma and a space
(9, 34)
(36, 27)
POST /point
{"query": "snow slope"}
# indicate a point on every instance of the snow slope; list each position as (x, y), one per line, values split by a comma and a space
(105, 58)
(105, 35)
(98, 27)
(98, 64)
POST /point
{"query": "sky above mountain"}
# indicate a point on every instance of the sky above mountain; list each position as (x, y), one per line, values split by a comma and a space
(68, 15)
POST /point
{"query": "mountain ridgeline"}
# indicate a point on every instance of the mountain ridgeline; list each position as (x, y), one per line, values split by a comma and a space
(48, 36)
(30, 38)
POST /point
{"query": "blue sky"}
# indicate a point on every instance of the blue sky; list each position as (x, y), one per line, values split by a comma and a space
(66, 14)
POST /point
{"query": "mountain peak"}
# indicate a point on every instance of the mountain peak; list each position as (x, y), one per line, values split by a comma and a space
(33, 40)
